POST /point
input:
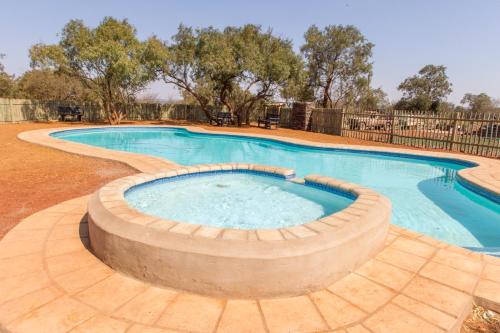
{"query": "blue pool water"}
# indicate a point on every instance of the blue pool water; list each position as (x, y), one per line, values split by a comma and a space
(425, 193)
(235, 200)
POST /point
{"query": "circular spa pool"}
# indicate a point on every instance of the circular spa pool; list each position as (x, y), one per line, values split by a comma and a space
(237, 200)
(236, 230)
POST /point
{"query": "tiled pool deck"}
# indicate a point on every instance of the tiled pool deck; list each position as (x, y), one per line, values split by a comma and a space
(51, 282)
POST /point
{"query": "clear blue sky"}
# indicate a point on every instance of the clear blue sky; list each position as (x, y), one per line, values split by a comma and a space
(462, 35)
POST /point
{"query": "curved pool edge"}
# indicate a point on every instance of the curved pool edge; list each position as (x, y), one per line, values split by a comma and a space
(485, 176)
(236, 262)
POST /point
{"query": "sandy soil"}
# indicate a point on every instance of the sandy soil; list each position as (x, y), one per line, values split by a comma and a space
(33, 177)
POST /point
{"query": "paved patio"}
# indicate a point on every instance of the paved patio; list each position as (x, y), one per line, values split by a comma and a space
(51, 282)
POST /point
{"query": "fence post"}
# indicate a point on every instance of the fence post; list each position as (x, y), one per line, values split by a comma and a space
(453, 131)
(391, 138)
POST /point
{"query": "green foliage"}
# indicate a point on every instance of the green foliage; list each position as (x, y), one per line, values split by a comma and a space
(426, 90)
(338, 62)
(51, 86)
(479, 103)
(109, 60)
(373, 99)
(236, 68)
(7, 82)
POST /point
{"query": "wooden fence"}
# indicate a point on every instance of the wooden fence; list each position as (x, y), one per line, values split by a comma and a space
(471, 133)
(467, 132)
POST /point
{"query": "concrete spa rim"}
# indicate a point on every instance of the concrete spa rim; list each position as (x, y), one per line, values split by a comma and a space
(237, 263)
(481, 175)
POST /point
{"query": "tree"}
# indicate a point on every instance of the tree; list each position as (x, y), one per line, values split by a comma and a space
(109, 60)
(338, 59)
(236, 68)
(374, 99)
(426, 90)
(478, 103)
(297, 88)
(7, 82)
(51, 86)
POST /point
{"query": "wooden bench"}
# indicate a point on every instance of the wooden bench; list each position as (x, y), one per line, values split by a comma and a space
(222, 118)
(73, 112)
(271, 118)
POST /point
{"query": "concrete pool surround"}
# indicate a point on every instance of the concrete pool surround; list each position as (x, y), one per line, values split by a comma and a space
(232, 262)
(52, 282)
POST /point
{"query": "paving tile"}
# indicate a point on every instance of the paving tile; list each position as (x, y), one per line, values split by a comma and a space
(72, 261)
(491, 260)
(101, 324)
(23, 284)
(401, 259)
(362, 292)
(293, 314)
(146, 307)
(357, 329)
(10, 267)
(62, 246)
(393, 319)
(40, 220)
(147, 329)
(414, 247)
(64, 231)
(235, 234)
(458, 261)
(15, 249)
(430, 314)
(388, 275)
(241, 316)
(184, 228)
(60, 315)
(83, 278)
(491, 272)
(71, 219)
(26, 235)
(269, 234)
(111, 293)
(336, 311)
(22, 305)
(442, 297)
(190, 312)
(449, 276)
(487, 294)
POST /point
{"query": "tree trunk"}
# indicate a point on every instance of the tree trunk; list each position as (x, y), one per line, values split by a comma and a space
(326, 94)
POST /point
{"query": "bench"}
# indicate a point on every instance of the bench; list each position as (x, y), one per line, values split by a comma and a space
(73, 112)
(271, 118)
(222, 118)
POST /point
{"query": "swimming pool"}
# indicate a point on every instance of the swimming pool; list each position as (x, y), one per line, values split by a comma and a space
(236, 200)
(425, 193)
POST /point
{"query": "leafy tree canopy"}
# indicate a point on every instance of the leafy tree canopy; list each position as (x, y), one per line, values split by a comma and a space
(338, 62)
(49, 85)
(109, 60)
(236, 68)
(478, 103)
(426, 90)
(7, 82)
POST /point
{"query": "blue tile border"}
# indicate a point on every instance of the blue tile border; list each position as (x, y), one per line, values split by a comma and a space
(250, 138)
(478, 190)
(205, 173)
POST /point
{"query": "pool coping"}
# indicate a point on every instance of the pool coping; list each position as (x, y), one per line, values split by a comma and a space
(50, 280)
(484, 178)
(190, 256)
